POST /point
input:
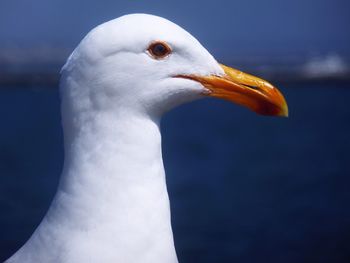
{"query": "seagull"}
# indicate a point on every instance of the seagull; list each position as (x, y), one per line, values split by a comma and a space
(112, 204)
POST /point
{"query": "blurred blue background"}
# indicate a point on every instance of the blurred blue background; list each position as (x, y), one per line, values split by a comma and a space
(243, 188)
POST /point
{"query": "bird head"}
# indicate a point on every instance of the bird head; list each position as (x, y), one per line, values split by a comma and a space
(148, 64)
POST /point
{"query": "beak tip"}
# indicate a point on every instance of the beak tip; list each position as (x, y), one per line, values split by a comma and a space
(284, 111)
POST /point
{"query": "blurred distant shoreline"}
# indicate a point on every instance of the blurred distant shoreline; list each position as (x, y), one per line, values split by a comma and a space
(41, 66)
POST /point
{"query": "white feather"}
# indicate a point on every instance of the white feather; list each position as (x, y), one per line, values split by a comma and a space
(112, 202)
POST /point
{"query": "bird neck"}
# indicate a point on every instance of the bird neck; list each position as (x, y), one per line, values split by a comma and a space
(112, 199)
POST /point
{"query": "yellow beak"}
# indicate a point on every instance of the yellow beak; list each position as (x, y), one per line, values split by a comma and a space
(246, 90)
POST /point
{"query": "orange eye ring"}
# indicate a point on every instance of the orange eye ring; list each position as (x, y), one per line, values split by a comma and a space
(159, 49)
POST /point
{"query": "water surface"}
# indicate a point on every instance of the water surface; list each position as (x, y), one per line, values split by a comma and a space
(243, 188)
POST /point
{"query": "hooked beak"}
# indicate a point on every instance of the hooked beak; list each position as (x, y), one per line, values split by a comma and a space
(244, 89)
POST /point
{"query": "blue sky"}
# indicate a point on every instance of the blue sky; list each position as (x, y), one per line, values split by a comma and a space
(224, 27)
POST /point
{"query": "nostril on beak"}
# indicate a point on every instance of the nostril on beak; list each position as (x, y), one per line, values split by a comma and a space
(251, 87)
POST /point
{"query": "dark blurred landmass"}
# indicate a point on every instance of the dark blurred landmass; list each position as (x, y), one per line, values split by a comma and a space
(41, 66)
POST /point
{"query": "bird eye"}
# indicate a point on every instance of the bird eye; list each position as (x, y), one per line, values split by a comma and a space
(159, 50)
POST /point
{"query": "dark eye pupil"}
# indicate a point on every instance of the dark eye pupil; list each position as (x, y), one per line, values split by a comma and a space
(159, 50)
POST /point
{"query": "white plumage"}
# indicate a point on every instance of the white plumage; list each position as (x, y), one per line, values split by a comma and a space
(112, 203)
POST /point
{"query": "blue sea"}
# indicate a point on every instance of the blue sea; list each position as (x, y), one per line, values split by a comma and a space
(243, 188)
